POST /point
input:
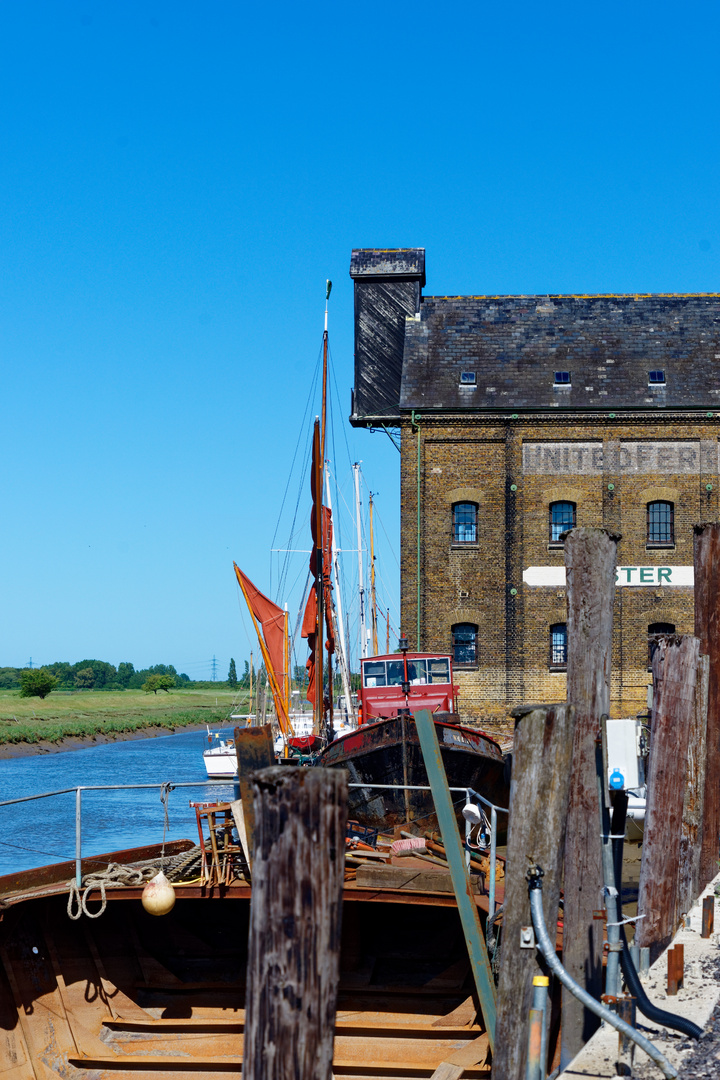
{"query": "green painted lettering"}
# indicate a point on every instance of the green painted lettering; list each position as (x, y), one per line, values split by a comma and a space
(628, 571)
(646, 575)
(664, 574)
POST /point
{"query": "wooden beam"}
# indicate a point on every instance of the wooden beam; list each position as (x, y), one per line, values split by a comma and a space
(672, 717)
(295, 913)
(539, 790)
(691, 837)
(474, 938)
(590, 557)
(707, 628)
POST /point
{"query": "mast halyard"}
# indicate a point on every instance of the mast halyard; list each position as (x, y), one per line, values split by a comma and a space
(337, 615)
(361, 587)
(373, 602)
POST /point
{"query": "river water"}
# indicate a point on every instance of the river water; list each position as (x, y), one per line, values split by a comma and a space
(43, 831)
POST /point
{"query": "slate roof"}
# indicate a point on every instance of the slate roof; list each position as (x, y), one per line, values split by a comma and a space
(515, 344)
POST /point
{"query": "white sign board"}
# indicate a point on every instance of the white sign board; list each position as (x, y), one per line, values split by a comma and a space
(554, 576)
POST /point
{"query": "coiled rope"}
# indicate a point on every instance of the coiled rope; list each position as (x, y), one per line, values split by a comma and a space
(115, 875)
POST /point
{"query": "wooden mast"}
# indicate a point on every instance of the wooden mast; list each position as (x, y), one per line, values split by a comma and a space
(319, 457)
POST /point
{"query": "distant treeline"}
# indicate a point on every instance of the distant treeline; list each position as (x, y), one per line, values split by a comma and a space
(99, 675)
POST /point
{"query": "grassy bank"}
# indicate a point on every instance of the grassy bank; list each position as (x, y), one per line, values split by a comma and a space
(87, 713)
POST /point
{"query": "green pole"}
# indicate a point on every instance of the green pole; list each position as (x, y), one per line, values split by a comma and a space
(416, 424)
(467, 909)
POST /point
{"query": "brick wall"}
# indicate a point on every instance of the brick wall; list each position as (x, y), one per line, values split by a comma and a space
(513, 470)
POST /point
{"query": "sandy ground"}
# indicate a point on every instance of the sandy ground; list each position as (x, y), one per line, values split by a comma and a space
(81, 742)
(698, 1000)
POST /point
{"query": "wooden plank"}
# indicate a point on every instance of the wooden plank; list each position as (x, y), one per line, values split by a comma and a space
(707, 628)
(590, 557)
(454, 851)
(397, 877)
(539, 791)
(60, 873)
(254, 750)
(691, 837)
(676, 657)
(295, 913)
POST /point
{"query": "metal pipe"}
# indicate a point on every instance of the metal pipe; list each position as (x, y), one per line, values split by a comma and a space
(78, 837)
(547, 948)
(612, 969)
(493, 860)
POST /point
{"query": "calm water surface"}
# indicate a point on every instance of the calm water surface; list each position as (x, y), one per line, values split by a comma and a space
(43, 831)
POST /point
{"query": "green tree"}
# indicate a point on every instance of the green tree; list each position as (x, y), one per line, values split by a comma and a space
(85, 678)
(125, 672)
(37, 682)
(153, 683)
(232, 674)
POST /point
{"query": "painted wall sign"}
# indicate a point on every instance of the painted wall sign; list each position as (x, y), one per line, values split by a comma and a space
(624, 575)
(625, 458)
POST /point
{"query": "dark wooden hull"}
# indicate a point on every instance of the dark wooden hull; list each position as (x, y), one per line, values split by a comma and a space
(388, 752)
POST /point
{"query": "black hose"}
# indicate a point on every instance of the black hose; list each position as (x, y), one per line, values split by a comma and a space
(644, 1004)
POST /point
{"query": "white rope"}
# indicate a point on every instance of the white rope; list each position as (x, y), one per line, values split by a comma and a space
(631, 918)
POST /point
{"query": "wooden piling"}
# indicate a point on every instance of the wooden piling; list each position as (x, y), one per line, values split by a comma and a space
(675, 665)
(295, 921)
(254, 751)
(708, 916)
(707, 628)
(675, 969)
(538, 812)
(590, 556)
(691, 838)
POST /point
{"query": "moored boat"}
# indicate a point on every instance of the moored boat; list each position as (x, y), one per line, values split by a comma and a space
(385, 749)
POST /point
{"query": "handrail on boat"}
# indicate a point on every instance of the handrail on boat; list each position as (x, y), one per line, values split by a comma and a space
(468, 792)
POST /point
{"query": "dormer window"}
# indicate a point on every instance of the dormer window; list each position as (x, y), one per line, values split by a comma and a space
(562, 378)
(467, 378)
(656, 378)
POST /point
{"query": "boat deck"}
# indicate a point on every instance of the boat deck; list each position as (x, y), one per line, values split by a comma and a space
(128, 995)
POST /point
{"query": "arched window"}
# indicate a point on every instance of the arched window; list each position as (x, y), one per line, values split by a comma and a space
(656, 630)
(465, 516)
(660, 523)
(562, 518)
(464, 641)
(558, 645)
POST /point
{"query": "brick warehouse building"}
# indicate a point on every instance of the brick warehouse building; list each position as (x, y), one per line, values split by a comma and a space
(519, 417)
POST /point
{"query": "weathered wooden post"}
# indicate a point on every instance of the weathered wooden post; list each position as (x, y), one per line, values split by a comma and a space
(707, 628)
(590, 556)
(295, 920)
(538, 812)
(254, 751)
(691, 839)
(672, 717)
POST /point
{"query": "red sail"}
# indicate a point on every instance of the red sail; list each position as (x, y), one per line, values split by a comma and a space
(309, 626)
(272, 619)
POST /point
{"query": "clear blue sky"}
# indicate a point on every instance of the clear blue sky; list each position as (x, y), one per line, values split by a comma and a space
(177, 181)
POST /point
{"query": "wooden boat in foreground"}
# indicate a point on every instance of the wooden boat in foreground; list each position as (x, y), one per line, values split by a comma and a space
(132, 995)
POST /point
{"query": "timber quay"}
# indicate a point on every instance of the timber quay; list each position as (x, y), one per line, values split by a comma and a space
(293, 943)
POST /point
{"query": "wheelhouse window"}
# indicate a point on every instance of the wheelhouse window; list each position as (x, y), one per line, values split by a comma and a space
(465, 516)
(464, 639)
(655, 632)
(558, 645)
(562, 518)
(660, 523)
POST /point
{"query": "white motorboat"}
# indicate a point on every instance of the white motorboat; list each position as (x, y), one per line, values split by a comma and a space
(220, 758)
